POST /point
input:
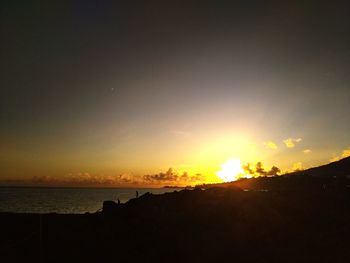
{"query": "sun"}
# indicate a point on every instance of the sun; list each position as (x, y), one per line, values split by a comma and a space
(231, 170)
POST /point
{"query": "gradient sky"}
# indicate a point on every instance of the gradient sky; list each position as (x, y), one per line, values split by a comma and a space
(131, 88)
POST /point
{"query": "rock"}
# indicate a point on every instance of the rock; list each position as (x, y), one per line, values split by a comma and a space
(109, 206)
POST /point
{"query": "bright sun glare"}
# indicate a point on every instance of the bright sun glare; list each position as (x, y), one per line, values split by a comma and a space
(231, 170)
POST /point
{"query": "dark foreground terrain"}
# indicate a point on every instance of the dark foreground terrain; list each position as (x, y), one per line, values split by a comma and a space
(212, 225)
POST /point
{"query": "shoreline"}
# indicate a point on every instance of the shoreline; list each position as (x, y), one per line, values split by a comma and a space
(200, 225)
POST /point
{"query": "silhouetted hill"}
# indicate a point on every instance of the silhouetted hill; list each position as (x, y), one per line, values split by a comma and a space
(333, 176)
(338, 168)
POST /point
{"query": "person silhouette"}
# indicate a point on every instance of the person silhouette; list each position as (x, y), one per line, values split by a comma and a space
(118, 201)
(137, 194)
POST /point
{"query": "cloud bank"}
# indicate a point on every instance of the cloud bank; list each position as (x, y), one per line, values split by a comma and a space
(170, 177)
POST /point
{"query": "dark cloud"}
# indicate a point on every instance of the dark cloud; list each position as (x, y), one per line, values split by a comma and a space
(167, 176)
(187, 178)
(247, 168)
(88, 179)
(274, 171)
(83, 179)
(171, 176)
(260, 170)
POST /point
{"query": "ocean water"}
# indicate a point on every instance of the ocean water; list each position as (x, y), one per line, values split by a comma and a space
(65, 200)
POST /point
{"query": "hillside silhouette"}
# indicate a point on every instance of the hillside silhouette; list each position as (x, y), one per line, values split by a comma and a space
(300, 217)
(332, 176)
(339, 168)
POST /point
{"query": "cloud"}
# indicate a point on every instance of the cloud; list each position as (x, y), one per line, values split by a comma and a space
(167, 176)
(292, 142)
(247, 169)
(344, 154)
(274, 171)
(84, 178)
(172, 177)
(307, 151)
(125, 178)
(260, 171)
(271, 145)
(194, 178)
(88, 179)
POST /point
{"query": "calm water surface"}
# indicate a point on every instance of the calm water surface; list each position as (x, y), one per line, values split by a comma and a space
(64, 200)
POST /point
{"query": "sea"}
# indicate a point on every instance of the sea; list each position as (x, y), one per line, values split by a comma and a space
(66, 200)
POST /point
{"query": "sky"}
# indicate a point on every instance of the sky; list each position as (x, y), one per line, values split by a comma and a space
(118, 92)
